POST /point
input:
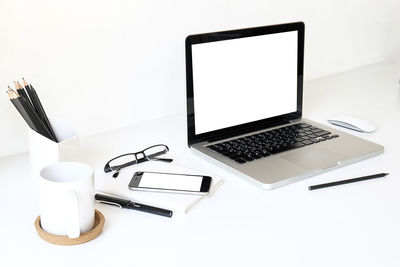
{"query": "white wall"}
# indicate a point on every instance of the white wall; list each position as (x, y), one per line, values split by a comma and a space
(108, 63)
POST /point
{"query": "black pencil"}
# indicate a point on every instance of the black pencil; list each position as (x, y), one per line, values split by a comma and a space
(20, 90)
(28, 114)
(22, 93)
(26, 88)
(14, 100)
(353, 180)
(39, 108)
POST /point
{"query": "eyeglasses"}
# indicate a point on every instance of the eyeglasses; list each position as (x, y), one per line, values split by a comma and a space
(151, 153)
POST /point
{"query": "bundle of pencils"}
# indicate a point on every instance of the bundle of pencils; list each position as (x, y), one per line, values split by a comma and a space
(27, 102)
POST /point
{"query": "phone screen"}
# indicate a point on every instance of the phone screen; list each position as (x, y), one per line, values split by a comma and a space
(171, 181)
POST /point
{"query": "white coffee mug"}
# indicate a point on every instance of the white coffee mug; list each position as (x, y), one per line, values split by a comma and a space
(67, 198)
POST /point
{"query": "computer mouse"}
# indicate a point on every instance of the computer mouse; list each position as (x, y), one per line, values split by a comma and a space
(354, 123)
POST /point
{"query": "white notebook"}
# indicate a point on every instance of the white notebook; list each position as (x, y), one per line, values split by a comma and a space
(182, 203)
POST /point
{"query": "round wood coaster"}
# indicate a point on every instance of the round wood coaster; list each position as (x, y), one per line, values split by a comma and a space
(65, 240)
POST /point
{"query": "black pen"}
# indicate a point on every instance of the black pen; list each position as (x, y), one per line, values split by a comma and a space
(353, 180)
(128, 204)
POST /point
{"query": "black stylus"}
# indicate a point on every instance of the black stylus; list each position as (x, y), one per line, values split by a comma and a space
(353, 180)
(128, 204)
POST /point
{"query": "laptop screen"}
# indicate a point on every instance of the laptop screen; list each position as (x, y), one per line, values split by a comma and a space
(236, 79)
(242, 80)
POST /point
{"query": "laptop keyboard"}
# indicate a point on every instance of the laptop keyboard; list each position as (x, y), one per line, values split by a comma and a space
(264, 144)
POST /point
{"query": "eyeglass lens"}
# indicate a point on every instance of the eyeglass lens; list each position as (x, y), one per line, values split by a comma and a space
(153, 152)
(121, 161)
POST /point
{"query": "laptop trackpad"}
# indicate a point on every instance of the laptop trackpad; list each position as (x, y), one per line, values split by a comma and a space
(314, 157)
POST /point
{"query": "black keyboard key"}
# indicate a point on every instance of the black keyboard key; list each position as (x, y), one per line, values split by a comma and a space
(236, 157)
(307, 142)
(256, 156)
(229, 153)
(322, 133)
(304, 125)
(316, 130)
(297, 145)
(240, 160)
(247, 158)
(265, 153)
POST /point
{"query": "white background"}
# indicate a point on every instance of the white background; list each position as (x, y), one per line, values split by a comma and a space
(99, 64)
(243, 80)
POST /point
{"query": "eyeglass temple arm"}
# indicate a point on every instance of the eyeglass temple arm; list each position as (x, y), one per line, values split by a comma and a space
(119, 167)
(163, 159)
(157, 154)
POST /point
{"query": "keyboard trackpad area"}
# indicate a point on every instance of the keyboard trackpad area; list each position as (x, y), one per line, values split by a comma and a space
(314, 157)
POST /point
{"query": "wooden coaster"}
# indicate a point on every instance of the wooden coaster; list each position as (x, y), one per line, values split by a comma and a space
(65, 240)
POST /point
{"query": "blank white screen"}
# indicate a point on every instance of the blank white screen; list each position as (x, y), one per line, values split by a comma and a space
(244, 80)
(167, 181)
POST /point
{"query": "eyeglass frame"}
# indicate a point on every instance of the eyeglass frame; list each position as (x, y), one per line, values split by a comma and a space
(108, 168)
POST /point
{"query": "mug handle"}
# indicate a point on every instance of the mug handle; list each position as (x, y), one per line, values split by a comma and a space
(73, 218)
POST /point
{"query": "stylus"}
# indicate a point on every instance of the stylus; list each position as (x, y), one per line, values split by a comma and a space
(128, 204)
(353, 180)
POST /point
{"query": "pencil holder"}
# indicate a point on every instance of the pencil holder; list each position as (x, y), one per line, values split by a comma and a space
(43, 151)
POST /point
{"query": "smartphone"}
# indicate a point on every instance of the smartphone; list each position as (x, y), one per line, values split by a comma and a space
(170, 182)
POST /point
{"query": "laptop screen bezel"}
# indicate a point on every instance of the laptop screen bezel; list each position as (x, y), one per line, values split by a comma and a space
(194, 138)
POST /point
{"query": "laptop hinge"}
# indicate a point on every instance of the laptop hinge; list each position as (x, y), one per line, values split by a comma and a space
(244, 130)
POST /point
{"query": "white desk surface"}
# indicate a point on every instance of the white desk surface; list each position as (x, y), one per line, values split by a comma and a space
(352, 225)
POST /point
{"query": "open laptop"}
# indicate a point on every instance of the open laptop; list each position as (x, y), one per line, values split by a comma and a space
(244, 107)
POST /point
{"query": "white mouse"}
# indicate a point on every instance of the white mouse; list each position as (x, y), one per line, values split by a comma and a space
(353, 123)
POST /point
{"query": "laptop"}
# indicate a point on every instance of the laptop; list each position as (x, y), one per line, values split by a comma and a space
(244, 108)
